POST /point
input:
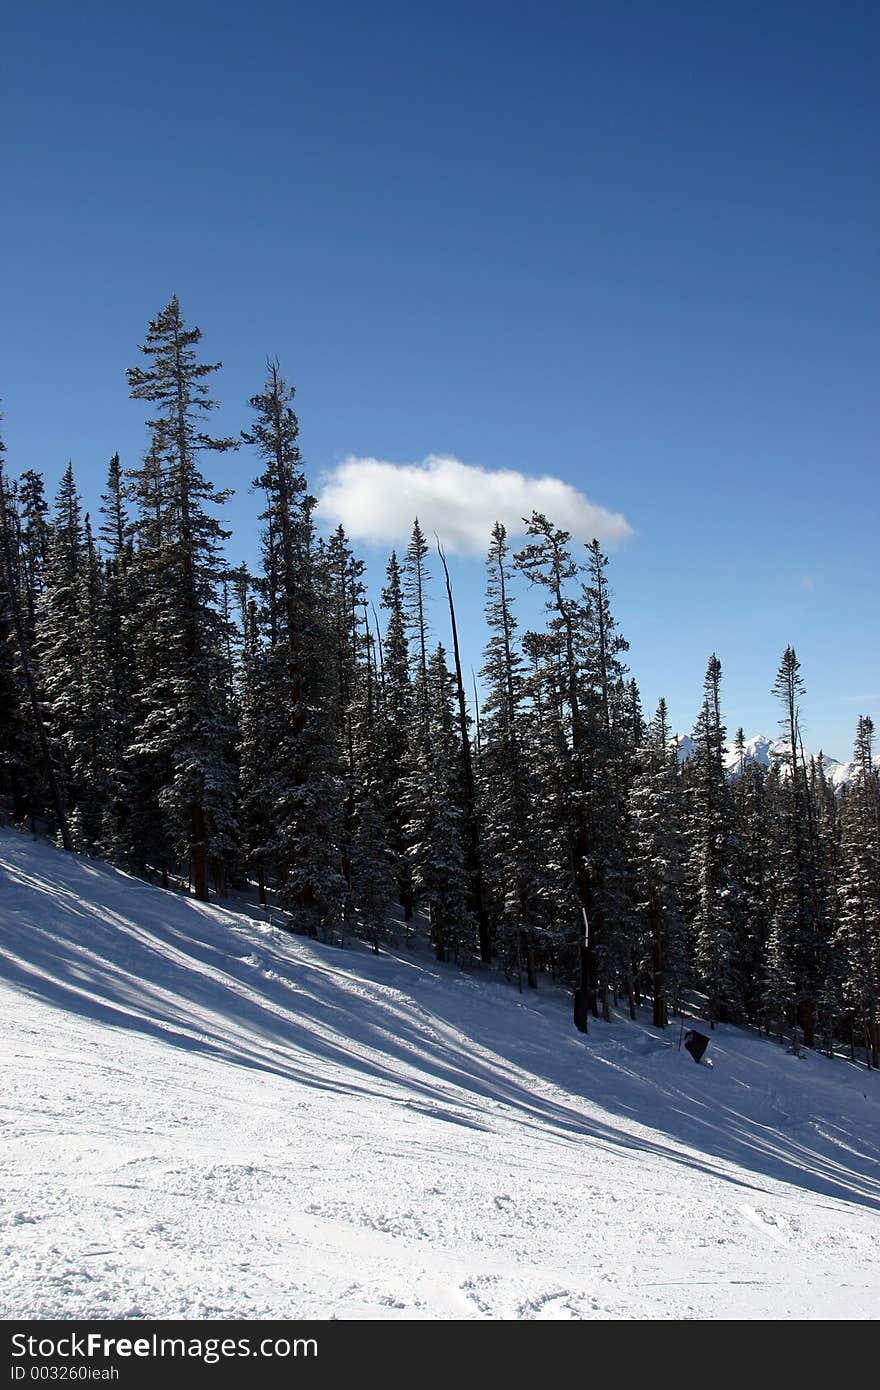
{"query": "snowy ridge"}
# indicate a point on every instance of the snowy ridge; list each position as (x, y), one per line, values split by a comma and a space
(204, 1116)
(767, 751)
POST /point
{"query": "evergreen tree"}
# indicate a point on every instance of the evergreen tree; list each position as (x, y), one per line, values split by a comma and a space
(19, 789)
(858, 934)
(559, 914)
(58, 641)
(435, 827)
(415, 576)
(257, 722)
(795, 948)
(710, 830)
(826, 823)
(182, 724)
(397, 715)
(292, 759)
(20, 672)
(657, 840)
(506, 783)
(751, 875)
(613, 725)
(370, 860)
(92, 763)
(140, 720)
(34, 539)
(118, 619)
(547, 560)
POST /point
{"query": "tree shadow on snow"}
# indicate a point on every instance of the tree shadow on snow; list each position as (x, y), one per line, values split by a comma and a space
(112, 949)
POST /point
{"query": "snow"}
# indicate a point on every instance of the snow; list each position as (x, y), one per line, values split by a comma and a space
(203, 1116)
(767, 751)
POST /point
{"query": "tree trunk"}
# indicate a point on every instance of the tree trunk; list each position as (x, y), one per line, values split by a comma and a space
(436, 920)
(529, 952)
(198, 851)
(660, 1018)
(807, 1020)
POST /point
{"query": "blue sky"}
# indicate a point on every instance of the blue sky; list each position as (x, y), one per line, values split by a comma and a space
(628, 246)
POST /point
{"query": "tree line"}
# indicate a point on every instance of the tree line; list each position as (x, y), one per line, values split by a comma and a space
(164, 711)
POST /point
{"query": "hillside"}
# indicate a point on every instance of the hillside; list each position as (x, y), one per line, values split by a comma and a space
(206, 1117)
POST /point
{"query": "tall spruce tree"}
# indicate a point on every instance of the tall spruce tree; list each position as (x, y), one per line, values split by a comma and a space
(658, 851)
(711, 852)
(182, 724)
(397, 715)
(547, 560)
(751, 871)
(506, 783)
(370, 867)
(21, 672)
(795, 954)
(614, 729)
(858, 933)
(292, 762)
(415, 577)
(118, 618)
(435, 828)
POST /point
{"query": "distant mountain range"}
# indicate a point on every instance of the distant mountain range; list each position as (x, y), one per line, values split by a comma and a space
(766, 752)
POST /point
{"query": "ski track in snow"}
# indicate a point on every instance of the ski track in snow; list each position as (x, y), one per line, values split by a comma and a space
(204, 1117)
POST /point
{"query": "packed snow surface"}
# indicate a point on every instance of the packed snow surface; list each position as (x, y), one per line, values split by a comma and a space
(203, 1116)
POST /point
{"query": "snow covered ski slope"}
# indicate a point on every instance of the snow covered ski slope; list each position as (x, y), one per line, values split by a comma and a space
(205, 1117)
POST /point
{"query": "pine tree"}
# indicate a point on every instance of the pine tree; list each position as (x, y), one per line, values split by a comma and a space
(552, 811)
(258, 711)
(826, 820)
(35, 539)
(610, 712)
(58, 642)
(341, 594)
(370, 860)
(397, 714)
(92, 764)
(513, 877)
(292, 763)
(20, 671)
(118, 618)
(657, 839)
(858, 934)
(415, 576)
(182, 723)
(19, 792)
(751, 875)
(547, 560)
(435, 827)
(796, 964)
(712, 887)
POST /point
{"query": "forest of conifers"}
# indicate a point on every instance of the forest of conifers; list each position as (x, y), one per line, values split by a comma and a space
(180, 718)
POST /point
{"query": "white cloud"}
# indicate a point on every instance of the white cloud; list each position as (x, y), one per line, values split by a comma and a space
(376, 501)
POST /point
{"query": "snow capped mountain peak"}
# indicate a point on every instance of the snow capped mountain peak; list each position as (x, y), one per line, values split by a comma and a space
(768, 752)
(685, 747)
(757, 749)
